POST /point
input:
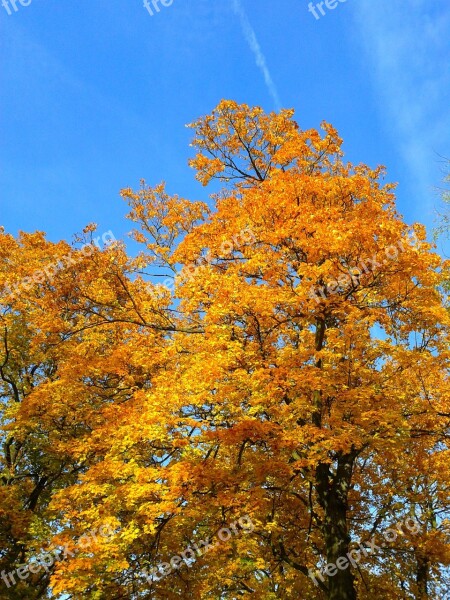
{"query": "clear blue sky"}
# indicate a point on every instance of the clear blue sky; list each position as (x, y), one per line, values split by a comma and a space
(94, 94)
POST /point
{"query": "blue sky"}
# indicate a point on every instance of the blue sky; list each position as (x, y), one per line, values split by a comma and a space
(94, 95)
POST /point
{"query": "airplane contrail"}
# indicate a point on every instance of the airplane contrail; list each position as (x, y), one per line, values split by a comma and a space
(252, 41)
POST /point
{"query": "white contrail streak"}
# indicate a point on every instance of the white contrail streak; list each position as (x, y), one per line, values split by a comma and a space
(252, 41)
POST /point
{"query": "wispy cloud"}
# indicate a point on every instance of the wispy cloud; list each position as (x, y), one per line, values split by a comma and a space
(409, 51)
(252, 41)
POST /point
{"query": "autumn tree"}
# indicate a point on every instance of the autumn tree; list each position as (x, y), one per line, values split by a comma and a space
(279, 354)
(41, 418)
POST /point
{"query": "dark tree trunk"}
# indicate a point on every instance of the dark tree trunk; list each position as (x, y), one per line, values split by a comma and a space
(332, 486)
(332, 489)
(422, 574)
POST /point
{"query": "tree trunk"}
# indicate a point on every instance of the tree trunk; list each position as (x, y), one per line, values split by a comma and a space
(332, 486)
(422, 576)
(332, 489)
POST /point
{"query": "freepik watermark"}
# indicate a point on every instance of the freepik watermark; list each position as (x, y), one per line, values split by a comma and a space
(153, 6)
(245, 236)
(10, 292)
(315, 9)
(190, 554)
(46, 559)
(353, 557)
(6, 5)
(352, 277)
